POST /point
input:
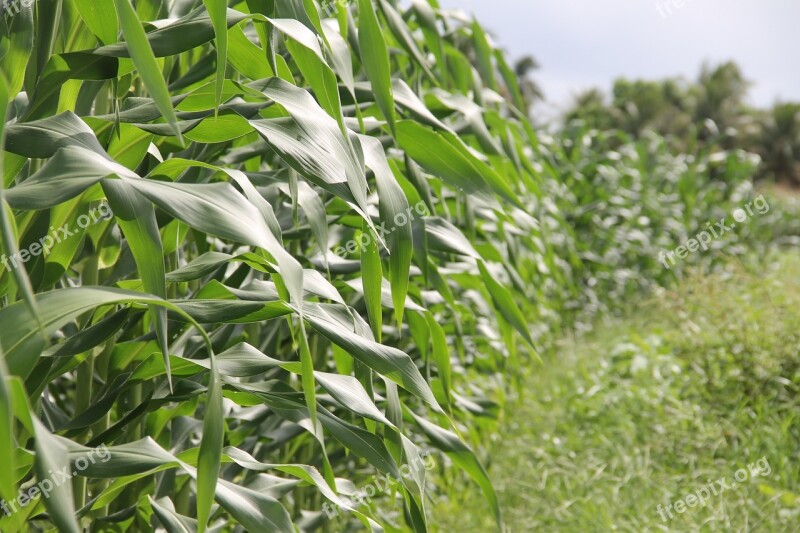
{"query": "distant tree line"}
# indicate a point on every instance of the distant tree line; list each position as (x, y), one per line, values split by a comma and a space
(712, 108)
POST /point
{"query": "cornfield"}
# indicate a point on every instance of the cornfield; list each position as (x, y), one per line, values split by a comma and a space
(258, 253)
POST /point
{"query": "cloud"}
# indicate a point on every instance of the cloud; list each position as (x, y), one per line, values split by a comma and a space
(581, 43)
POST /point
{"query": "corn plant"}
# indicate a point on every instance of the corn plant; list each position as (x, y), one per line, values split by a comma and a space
(255, 253)
(627, 202)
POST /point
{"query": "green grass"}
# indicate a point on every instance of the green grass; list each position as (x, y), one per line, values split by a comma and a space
(699, 382)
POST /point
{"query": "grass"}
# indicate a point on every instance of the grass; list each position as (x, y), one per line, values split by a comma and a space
(698, 383)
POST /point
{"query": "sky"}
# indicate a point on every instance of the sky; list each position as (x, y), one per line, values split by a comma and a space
(588, 43)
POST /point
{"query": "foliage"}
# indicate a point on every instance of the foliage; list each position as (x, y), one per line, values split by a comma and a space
(333, 241)
(674, 106)
(780, 144)
(315, 211)
(627, 201)
(711, 109)
(689, 387)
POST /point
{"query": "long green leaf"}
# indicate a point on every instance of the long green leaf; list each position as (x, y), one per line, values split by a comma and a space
(375, 57)
(217, 11)
(145, 61)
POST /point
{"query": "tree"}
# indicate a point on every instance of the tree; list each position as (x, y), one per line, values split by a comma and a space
(779, 145)
(720, 93)
(531, 90)
(591, 108)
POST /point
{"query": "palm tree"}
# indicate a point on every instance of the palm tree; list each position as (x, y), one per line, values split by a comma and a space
(531, 91)
(591, 108)
(780, 143)
(720, 93)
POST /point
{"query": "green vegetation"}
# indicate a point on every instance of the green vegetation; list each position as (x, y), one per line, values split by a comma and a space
(710, 109)
(259, 254)
(693, 385)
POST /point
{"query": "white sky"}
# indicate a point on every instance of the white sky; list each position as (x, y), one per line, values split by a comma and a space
(586, 43)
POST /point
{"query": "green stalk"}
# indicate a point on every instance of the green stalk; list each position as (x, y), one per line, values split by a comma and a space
(85, 374)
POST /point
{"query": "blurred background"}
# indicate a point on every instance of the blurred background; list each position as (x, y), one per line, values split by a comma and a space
(667, 65)
(656, 118)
